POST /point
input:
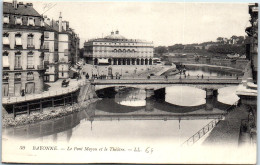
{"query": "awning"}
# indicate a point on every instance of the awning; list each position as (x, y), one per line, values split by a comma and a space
(6, 41)
(104, 61)
(18, 40)
(6, 19)
(6, 61)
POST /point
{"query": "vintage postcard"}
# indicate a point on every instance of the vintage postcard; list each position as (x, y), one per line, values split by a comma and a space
(129, 82)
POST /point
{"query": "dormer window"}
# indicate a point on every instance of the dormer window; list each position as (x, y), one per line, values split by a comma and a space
(18, 20)
(18, 39)
(6, 39)
(31, 21)
(6, 19)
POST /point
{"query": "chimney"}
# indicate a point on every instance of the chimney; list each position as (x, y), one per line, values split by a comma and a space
(64, 25)
(48, 21)
(29, 4)
(15, 4)
(60, 23)
(117, 32)
(112, 33)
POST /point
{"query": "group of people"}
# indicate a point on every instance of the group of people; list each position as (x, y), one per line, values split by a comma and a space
(103, 76)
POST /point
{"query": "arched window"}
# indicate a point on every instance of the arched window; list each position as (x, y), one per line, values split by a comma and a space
(124, 50)
(115, 50)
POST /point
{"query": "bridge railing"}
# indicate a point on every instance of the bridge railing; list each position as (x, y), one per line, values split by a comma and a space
(168, 80)
(198, 135)
(194, 138)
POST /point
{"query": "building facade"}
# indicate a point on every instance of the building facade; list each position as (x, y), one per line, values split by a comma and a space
(23, 50)
(63, 49)
(115, 49)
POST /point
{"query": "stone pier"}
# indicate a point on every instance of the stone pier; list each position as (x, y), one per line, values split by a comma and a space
(149, 105)
(211, 92)
(149, 92)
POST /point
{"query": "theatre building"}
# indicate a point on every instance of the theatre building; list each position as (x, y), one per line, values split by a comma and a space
(115, 49)
(22, 53)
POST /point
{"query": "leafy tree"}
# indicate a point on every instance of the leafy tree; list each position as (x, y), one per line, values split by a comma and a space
(160, 50)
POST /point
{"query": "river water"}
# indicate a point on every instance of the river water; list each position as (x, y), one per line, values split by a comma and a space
(129, 116)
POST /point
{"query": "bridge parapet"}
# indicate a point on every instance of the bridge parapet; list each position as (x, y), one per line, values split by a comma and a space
(211, 83)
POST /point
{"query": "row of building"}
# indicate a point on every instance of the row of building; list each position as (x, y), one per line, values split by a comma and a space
(35, 49)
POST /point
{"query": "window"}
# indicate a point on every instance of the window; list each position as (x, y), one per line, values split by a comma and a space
(46, 35)
(17, 77)
(5, 77)
(30, 41)
(46, 45)
(30, 76)
(17, 61)
(66, 52)
(31, 21)
(18, 20)
(6, 39)
(6, 60)
(46, 56)
(18, 39)
(6, 19)
(30, 60)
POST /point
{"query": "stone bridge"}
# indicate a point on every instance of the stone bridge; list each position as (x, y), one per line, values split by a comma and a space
(210, 85)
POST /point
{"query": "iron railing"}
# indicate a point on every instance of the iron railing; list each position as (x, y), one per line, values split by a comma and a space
(198, 135)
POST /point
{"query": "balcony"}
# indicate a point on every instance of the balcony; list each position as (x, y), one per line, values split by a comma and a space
(17, 79)
(5, 80)
(6, 68)
(18, 46)
(18, 68)
(30, 66)
(40, 67)
(30, 47)
(45, 48)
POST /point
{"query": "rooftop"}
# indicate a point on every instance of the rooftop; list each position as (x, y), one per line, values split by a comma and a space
(22, 9)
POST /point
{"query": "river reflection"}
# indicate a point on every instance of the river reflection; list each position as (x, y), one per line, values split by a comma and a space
(131, 114)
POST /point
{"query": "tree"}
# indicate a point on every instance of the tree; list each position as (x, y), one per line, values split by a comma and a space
(160, 50)
(220, 40)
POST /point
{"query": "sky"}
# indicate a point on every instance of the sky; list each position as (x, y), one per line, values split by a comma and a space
(164, 23)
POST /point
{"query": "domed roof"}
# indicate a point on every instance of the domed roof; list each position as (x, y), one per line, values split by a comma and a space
(115, 36)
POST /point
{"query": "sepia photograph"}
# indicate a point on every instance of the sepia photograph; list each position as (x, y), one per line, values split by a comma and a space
(129, 82)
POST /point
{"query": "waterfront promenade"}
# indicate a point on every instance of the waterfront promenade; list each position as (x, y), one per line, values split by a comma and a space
(54, 89)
